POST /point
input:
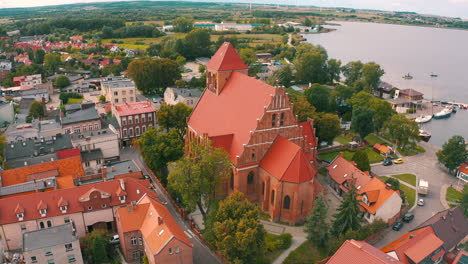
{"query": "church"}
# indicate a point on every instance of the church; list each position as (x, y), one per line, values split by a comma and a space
(274, 158)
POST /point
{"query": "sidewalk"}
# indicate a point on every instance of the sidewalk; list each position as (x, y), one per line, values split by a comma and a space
(443, 193)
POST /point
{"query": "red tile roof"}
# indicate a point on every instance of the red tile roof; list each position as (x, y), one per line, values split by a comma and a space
(308, 132)
(377, 192)
(360, 252)
(232, 112)
(29, 204)
(464, 168)
(287, 162)
(381, 148)
(226, 58)
(342, 170)
(134, 108)
(68, 153)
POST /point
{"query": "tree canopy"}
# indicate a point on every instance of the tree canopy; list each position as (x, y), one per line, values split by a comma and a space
(316, 225)
(174, 117)
(52, 62)
(150, 75)
(319, 96)
(363, 121)
(183, 25)
(453, 153)
(362, 160)
(62, 81)
(328, 127)
(347, 216)
(403, 130)
(36, 110)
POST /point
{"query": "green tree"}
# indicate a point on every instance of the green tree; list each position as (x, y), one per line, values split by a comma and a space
(174, 117)
(360, 99)
(403, 130)
(362, 121)
(52, 62)
(196, 44)
(183, 25)
(307, 22)
(311, 68)
(36, 110)
(107, 32)
(181, 60)
(151, 74)
(352, 72)
(319, 96)
(453, 153)
(334, 70)
(102, 98)
(197, 175)
(362, 160)
(248, 55)
(62, 81)
(316, 225)
(383, 112)
(238, 234)
(201, 68)
(39, 56)
(347, 216)
(371, 73)
(282, 77)
(328, 127)
(339, 99)
(303, 109)
(394, 183)
(158, 149)
(99, 250)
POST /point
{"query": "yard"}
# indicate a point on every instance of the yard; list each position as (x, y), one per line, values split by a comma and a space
(74, 100)
(275, 245)
(408, 178)
(374, 157)
(253, 39)
(409, 192)
(342, 140)
(373, 139)
(139, 43)
(453, 195)
(305, 254)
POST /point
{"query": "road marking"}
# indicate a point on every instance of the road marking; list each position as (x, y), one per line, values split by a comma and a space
(187, 234)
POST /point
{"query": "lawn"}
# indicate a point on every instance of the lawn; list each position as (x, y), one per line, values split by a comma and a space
(409, 192)
(254, 39)
(74, 100)
(305, 254)
(408, 178)
(374, 157)
(373, 139)
(342, 140)
(411, 151)
(143, 43)
(275, 245)
(453, 195)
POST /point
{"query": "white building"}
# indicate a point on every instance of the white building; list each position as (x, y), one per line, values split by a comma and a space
(7, 113)
(118, 90)
(187, 96)
(5, 65)
(228, 26)
(29, 80)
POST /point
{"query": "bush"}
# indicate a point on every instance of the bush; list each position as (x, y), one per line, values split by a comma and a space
(411, 111)
(394, 182)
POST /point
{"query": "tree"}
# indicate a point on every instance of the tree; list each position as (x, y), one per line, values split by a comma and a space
(453, 153)
(107, 32)
(403, 130)
(319, 96)
(158, 149)
(65, 96)
(303, 109)
(328, 127)
(307, 22)
(362, 121)
(282, 77)
(62, 81)
(311, 67)
(197, 175)
(102, 98)
(196, 44)
(383, 112)
(238, 234)
(371, 73)
(360, 99)
(394, 183)
(174, 117)
(347, 216)
(352, 72)
(339, 99)
(52, 62)
(99, 250)
(248, 55)
(150, 74)
(182, 25)
(334, 70)
(36, 110)
(181, 60)
(201, 68)
(39, 56)
(316, 225)
(362, 160)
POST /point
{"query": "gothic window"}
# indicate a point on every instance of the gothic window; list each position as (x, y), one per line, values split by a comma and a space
(263, 188)
(281, 119)
(272, 196)
(273, 120)
(250, 178)
(41, 224)
(287, 202)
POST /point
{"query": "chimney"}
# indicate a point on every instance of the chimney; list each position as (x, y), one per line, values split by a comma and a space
(104, 172)
(160, 220)
(112, 168)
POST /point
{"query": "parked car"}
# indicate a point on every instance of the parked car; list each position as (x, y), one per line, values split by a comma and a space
(397, 225)
(387, 162)
(115, 240)
(408, 217)
(398, 161)
(421, 202)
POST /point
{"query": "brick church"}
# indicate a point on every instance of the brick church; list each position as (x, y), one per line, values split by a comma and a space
(273, 156)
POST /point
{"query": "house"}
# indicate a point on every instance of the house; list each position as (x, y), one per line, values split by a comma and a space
(57, 244)
(81, 87)
(359, 252)
(382, 149)
(450, 226)
(379, 201)
(273, 156)
(81, 121)
(7, 113)
(28, 80)
(23, 58)
(88, 207)
(232, 26)
(409, 94)
(5, 65)
(118, 90)
(35, 94)
(343, 173)
(418, 246)
(76, 39)
(386, 89)
(264, 57)
(134, 119)
(148, 228)
(462, 172)
(188, 96)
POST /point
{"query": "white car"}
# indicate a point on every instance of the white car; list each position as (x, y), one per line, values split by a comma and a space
(421, 202)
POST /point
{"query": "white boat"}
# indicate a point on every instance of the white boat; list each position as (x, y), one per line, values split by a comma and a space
(423, 118)
(446, 112)
(424, 135)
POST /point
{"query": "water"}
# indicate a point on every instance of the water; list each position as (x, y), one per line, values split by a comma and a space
(419, 51)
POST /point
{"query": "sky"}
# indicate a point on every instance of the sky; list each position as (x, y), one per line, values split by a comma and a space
(452, 8)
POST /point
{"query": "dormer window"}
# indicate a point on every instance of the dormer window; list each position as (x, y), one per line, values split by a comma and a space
(43, 212)
(20, 216)
(63, 209)
(122, 198)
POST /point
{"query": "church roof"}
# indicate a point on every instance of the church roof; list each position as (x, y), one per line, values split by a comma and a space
(226, 58)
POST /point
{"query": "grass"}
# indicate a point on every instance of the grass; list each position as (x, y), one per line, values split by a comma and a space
(342, 140)
(410, 194)
(74, 100)
(373, 139)
(374, 157)
(408, 178)
(131, 43)
(253, 39)
(275, 245)
(305, 254)
(453, 195)
(411, 151)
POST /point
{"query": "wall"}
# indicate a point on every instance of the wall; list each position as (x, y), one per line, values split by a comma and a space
(108, 143)
(82, 125)
(59, 254)
(126, 244)
(185, 256)
(7, 114)
(100, 215)
(390, 208)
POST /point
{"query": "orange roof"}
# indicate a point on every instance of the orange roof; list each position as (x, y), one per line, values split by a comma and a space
(154, 221)
(360, 252)
(66, 167)
(342, 170)
(232, 114)
(415, 245)
(382, 148)
(377, 193)
(463, 168)
(226, 58)
(309, 132)
(286, 161)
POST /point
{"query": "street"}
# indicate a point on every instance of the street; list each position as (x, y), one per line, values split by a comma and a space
(424, 166)
(201, 253)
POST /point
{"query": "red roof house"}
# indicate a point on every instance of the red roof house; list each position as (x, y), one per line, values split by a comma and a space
(68, 153)
(360, 252)
(343, 173)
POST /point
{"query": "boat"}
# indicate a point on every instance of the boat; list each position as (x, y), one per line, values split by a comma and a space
(424, 135)
(423, 118)
(454, 109)
(446, 112)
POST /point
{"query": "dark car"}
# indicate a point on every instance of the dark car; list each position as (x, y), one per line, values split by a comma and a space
(408, 217)
(387, 162)
(397, 226)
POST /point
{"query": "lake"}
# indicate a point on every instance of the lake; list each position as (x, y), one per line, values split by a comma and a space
(419, 51)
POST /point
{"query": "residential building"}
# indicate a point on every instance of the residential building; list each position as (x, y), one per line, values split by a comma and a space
(111, 170)
(70, 108)
(342, 174)
(76, 39)
(462, 172)
(273, 156)
(28, 80)
(88, 207)
(35, 94)
(360, 252)
(188, 96)
(148, 228)
(81, 121)
(419, 246)
(81, 87)
(7, 113)
(13, 33)
(118, 90)
(409, 94)
(382, 149)
(57, 244)
(134, 119)
(23, 58)
(5, 65)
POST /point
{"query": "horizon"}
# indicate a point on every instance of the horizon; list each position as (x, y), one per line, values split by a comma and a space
(447, 8)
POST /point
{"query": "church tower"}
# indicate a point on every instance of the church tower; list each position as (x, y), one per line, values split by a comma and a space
(220, 67)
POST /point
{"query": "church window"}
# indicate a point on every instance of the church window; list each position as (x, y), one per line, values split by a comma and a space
(273, 120)
(250, 178)
(281, 119)
(287, 202)
(272, 196)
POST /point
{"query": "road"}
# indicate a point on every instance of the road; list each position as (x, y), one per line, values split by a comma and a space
(425, 166)
(201, 253)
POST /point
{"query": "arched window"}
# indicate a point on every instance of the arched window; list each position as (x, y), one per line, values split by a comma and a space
(231, 180)
(49, 224)
(250, 178)
(272, 196)
(287, 202)
(273, 120)
(281, 119)
(41, 225)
